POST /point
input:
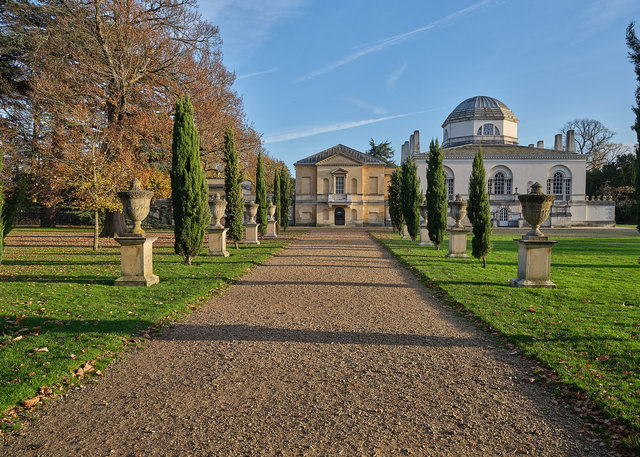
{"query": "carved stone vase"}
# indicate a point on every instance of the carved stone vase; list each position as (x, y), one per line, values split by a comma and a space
(218, 206)
(458, 211)
(136, 203)
(536, 208)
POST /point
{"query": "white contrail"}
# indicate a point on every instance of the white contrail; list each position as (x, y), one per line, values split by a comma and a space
(258, 73)
(334, 128)
(397, 39)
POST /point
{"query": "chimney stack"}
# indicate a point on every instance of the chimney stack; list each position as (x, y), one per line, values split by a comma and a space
(540, 144)
(531, 145)
(416, 142)
(411, 145)
(571, 141)
(405, 151)
(558, 143)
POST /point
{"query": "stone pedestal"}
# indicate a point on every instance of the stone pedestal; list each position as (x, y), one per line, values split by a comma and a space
(458, 243)
(424, 237)
(251, 234)
(534, 264)
(136, 261)
(271, 230)
(218, 242)
(405, 232)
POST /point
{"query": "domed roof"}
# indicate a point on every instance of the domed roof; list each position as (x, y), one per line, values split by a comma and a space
(480, 107)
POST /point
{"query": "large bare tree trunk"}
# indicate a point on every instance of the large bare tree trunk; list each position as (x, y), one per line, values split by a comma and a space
(48, 216)
(113, 225)
(96, 229)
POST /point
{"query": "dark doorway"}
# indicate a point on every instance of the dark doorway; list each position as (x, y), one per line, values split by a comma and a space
(339, 215)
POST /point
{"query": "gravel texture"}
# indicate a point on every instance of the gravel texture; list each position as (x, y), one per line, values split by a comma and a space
(330, 348)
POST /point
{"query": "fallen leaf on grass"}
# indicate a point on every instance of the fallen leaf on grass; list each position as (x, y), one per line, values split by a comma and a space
(31, 402)
(531, 310)
(45, 390)
(44, 349)
(603, 358)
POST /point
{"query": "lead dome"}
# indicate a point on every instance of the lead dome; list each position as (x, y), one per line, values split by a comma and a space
(480, 120)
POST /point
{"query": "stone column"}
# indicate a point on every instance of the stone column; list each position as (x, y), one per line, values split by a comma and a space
(136, 261)
(457, 233)
(405, 232)
(534, 248)
(218, 242)
(252, 225)
(424, 231)
(271, 223)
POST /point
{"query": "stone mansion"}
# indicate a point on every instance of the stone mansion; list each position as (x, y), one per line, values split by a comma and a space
(342, 186)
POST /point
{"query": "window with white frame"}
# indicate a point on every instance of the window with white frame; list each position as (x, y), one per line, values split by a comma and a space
(557, 184)
(449, 184)
(339, 185)
(498, 183)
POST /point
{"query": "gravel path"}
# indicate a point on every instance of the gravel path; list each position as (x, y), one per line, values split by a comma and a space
(328, 349)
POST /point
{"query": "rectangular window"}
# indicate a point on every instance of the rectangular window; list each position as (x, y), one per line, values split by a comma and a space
(567, 187)
(490, 186)
(449, 182)
(508, 182)
(339, 185)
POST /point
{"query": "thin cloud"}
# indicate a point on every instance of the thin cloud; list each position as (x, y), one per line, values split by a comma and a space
(258, 73)
(334, 128)
(369, 107)
(393, 77)
(400, 38)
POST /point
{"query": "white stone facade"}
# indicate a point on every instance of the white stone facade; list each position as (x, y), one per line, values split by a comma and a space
(512, 169)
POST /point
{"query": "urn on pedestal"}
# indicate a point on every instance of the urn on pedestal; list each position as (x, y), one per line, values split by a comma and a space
(271, 222)
(252, 226)
(424, 231)
(217, 232)
(534, 249)
(136, 249)
(457, 232)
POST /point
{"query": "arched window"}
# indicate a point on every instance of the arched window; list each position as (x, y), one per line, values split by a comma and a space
(559, 184)
(498, 183)
(496, 130)
(504, 215)
(558, 178)
(480, 131)
(489, 129)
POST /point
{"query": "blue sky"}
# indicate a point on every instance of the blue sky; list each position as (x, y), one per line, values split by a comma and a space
(315, 73)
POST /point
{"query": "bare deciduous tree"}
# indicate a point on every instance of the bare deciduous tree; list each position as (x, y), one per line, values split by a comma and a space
(593, 139)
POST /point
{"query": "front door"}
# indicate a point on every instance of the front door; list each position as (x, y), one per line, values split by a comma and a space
(339, 216)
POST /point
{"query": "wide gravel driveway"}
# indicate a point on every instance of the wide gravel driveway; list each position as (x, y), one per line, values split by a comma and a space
(330, 348)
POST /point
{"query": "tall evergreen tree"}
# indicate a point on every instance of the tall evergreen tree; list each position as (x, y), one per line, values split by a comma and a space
(395, 202)
(479, 210)
(1, 207)
(277, 195)
(233, 189)
(436, 195)
(261, 196)
(634, 54)
(411, 197)
(189, 190)
(285, 197)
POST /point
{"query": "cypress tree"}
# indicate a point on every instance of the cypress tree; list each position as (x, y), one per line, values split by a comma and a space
(410, 197)
(436, 195)
(276, 196)
(261, 197)
(189, 190)
(1, 207)
(395, 206)
(233, 189)
(285, 198)
(633, 43)
(479, 211)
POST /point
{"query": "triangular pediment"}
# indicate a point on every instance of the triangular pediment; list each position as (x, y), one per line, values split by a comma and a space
(348, 156)
(339, 171)
(338, 159)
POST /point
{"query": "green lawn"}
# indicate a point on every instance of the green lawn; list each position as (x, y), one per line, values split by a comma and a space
(587, 330)
(59, 308)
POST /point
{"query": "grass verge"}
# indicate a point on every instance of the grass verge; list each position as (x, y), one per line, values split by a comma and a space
(61, 316)
(587, 331)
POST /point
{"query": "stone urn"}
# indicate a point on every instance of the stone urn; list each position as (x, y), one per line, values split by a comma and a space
(423, 213)
(458, 211)
(252, 209)
(136, 203)
(271, 211)
(536, 208)
(218, 207)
